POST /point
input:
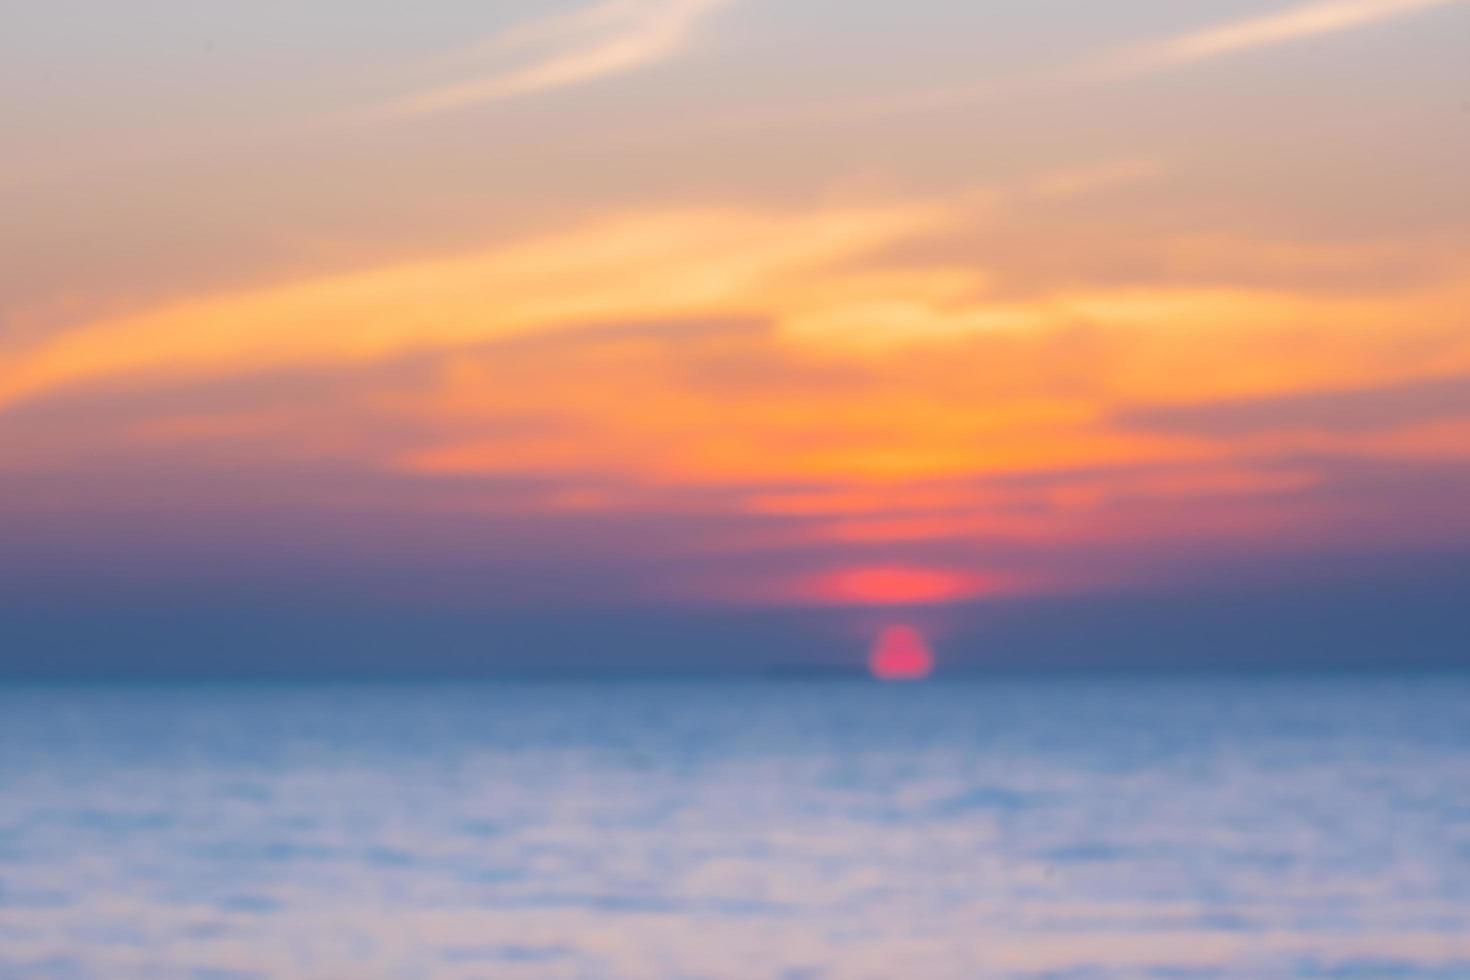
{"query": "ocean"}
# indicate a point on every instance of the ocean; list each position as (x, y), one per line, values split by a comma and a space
(1234, 826)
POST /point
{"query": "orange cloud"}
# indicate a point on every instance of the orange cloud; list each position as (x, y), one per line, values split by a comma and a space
(793, 379)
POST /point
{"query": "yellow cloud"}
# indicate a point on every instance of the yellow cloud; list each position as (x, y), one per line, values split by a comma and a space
(660, 264)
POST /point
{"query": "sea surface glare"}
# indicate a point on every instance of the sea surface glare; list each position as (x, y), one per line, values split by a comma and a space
(1141, 826)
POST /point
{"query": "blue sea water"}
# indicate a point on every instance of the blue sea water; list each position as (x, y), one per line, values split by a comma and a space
(1063, 827)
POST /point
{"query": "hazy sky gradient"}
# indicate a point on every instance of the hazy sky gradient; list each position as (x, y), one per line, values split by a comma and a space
(729, 308)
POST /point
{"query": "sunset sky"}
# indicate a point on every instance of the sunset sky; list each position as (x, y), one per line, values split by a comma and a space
(369, 331)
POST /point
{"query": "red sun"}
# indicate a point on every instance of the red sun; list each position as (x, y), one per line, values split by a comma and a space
(900, 654)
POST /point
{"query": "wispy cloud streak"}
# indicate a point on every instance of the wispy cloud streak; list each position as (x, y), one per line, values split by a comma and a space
(1148, 58)
(1293, 24)
(605, 39)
